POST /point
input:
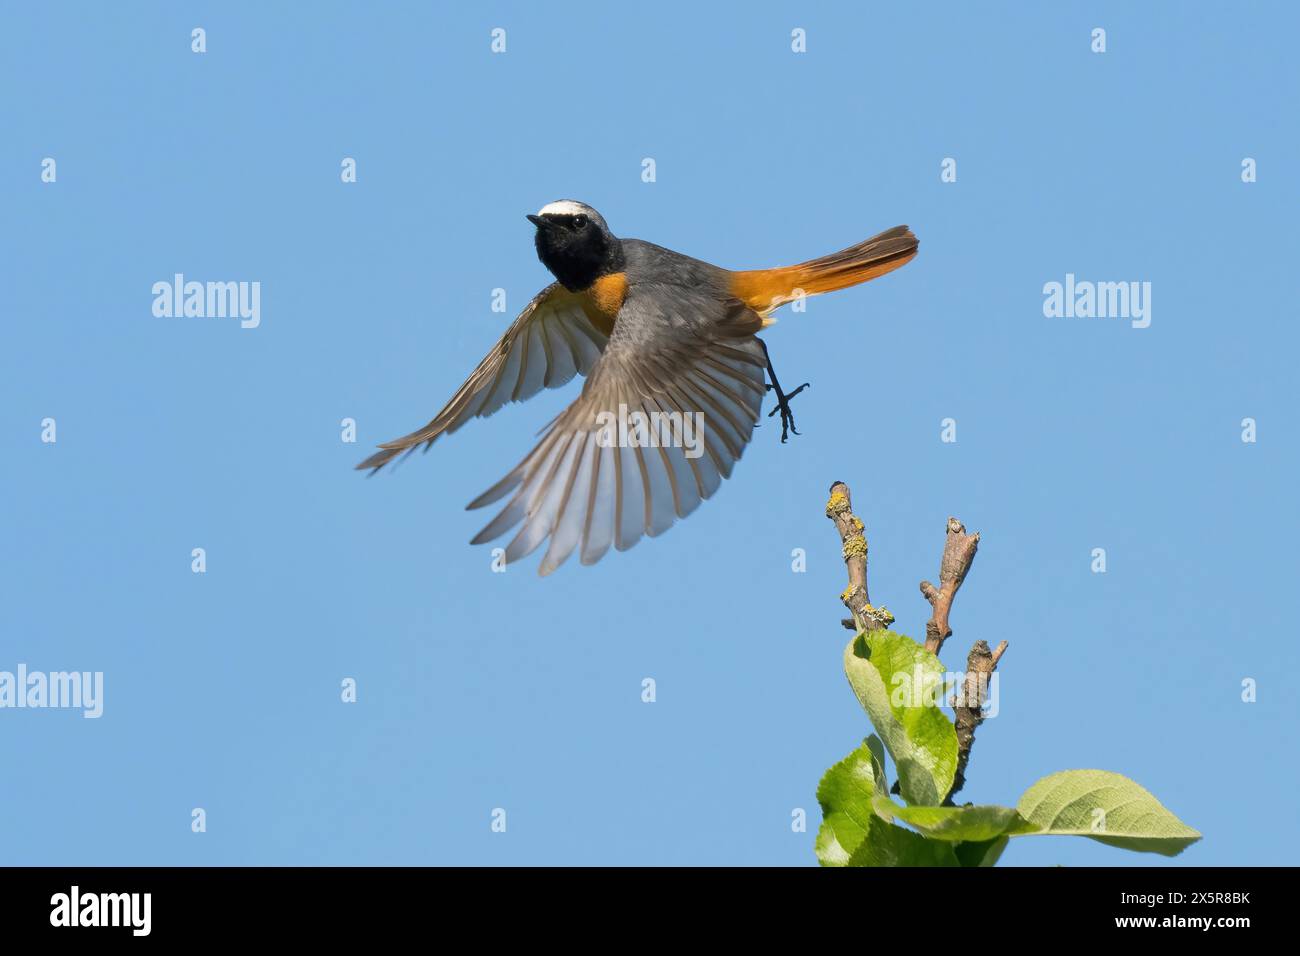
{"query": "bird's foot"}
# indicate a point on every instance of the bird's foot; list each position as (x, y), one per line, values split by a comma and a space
(783, 406)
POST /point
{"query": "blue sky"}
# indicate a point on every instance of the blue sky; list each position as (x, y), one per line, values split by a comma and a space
(479, 690)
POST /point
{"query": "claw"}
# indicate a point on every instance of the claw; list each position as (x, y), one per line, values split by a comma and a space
(783, 406)
(782, 398)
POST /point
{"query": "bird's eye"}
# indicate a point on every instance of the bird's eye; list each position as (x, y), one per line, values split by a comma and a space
(579, 222)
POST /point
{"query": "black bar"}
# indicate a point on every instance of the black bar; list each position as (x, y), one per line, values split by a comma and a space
(375, 904)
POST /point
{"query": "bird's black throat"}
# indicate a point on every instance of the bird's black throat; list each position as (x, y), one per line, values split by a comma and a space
(578, 257)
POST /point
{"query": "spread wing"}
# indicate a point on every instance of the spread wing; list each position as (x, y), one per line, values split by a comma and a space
(552, 340)
(676, 356)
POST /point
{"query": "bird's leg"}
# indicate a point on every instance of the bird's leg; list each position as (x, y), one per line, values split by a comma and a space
(782, 398)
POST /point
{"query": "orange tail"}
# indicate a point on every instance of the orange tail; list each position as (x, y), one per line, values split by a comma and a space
(764, 290)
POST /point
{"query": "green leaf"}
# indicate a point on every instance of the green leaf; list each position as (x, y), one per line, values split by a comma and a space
(898, 683)
(1106, 807)
(888, 845)
(845, 795)
(983, 853)
(967, 824)
(878, 757)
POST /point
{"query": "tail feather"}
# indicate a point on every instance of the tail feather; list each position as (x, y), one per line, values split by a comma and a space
(764, 290)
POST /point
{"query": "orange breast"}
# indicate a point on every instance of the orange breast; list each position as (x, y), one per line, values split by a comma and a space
(602, 301)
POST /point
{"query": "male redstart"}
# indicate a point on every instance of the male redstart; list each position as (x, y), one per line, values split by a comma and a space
(674, 381)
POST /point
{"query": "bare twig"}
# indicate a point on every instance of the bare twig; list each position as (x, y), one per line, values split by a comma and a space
(969, 706)
(958, 552)
(852, 534)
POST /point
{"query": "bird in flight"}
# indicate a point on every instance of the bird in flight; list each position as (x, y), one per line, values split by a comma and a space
(659, 337)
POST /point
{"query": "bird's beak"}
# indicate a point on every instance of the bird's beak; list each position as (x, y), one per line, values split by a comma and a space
(537, 221)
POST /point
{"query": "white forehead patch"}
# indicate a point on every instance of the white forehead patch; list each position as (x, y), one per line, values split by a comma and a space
(565, 207)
